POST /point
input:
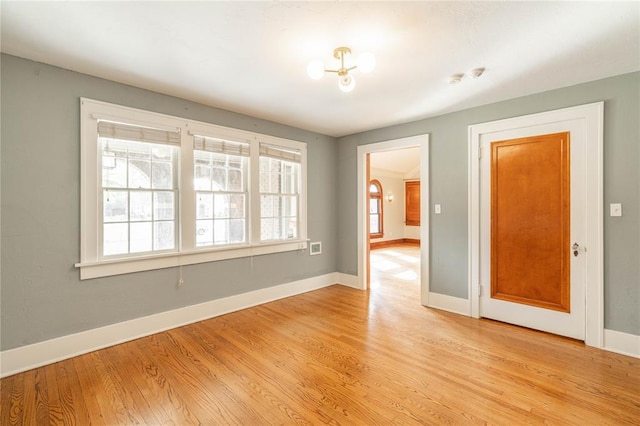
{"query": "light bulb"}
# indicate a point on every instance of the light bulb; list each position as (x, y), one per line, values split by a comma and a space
(366, 62)
(315, 69)
(346, 83)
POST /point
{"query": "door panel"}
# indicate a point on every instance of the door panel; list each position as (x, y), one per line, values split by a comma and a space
(412, 207)
(530, 221)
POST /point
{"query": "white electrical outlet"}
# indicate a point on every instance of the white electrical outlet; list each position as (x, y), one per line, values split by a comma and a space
(615, 209)
(438, 209)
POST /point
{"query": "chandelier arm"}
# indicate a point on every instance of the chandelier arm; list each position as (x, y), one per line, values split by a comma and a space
(352, 68)
(335, 71)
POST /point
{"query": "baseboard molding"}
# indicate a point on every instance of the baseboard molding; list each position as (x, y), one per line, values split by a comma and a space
(449, 303)
(622, 343)
(390, 243)
(25, 358)
(348, 280)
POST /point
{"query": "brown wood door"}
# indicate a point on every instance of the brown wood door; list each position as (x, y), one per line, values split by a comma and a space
(530, 221)
(412, 203)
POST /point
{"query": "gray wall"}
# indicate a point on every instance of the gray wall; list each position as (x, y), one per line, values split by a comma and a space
(42, 295)
(448, 182)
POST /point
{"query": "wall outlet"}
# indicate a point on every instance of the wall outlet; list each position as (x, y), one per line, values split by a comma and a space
(615, 209)
(315, 248)
(438, 209)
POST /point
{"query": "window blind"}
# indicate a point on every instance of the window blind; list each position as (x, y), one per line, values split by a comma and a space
(108, 129)
(280, 153)
(203, 143)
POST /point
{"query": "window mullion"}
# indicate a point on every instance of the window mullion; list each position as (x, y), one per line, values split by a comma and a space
(186, 214)
(253, 209)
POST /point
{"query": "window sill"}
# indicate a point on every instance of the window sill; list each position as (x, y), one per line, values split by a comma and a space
(374, 236)
(106, 268)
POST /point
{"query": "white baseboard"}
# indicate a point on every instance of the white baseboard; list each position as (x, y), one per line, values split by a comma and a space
(622, 343)
(24, 358)
(348, 280)
(449, 303)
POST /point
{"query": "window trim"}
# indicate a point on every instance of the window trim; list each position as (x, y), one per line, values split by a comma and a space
(380, 199)
(187, 253)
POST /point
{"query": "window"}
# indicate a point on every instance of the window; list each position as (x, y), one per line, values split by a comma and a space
(161, 191)
(279, 192)
(138, 188)
(221, 191)
(375, 209)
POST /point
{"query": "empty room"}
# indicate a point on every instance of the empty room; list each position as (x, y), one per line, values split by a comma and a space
(358, 213)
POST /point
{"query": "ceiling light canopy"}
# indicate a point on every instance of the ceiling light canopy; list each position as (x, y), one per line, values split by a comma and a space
(365, 64)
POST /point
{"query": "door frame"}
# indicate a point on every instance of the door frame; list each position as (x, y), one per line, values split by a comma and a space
(591, 115)
(421, 141)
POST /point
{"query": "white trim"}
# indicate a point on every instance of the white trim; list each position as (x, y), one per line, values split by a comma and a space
(449, 304)
(622, 343)
(421, 141)
(42, 353)
(592, 114)
(348, 280)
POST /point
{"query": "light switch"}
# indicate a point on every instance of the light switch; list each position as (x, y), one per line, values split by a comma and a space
(438, 209)
(615, 209)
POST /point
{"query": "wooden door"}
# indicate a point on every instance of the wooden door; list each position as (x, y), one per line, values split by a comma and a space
(530, 221)
(412, 203)
(532, 211)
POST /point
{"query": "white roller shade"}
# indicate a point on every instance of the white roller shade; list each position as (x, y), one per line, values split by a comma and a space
(107, 129)
(280, 152)
(202, 143)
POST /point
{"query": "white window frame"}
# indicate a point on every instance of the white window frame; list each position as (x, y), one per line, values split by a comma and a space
(92, 266)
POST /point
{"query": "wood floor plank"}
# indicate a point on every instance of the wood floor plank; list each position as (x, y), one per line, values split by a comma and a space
(336, 356)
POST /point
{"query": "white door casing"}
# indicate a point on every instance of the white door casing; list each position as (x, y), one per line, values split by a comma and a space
(421, 141)
(585, 125)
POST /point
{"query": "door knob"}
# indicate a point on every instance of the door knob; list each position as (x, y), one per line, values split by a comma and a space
(575, 247)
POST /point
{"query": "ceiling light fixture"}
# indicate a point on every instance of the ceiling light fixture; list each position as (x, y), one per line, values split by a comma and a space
(366, 63)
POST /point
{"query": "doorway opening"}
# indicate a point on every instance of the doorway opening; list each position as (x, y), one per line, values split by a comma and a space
(393, 207)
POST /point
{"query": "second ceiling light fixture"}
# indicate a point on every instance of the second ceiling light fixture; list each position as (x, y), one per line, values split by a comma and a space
(365, 64)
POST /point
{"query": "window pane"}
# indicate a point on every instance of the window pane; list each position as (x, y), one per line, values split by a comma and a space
(374, 224)
(140, 206)
(374, 204)
(236, 206)
(220, 231)
(204, 232)
(203, 177)
(139, 150)
(204, 206)
(235, 180)
(221, 206)
(162, 173)
(219, 179)
(115, 238)
(289, 206)
(139, 174)
(140, 237)
(236, 231)
(290, 227)
(115, 206)
(269, 229)
(161, 152)
(163, 206)
(163, 236)
(266, 205)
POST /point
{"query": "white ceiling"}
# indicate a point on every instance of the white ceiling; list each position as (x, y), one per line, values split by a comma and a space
(251, 57)
(399, 161)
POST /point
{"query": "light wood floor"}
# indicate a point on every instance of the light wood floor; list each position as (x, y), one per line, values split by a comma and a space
(335, 356)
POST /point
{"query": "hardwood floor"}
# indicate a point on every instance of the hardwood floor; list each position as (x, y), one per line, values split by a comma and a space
(335, 356)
